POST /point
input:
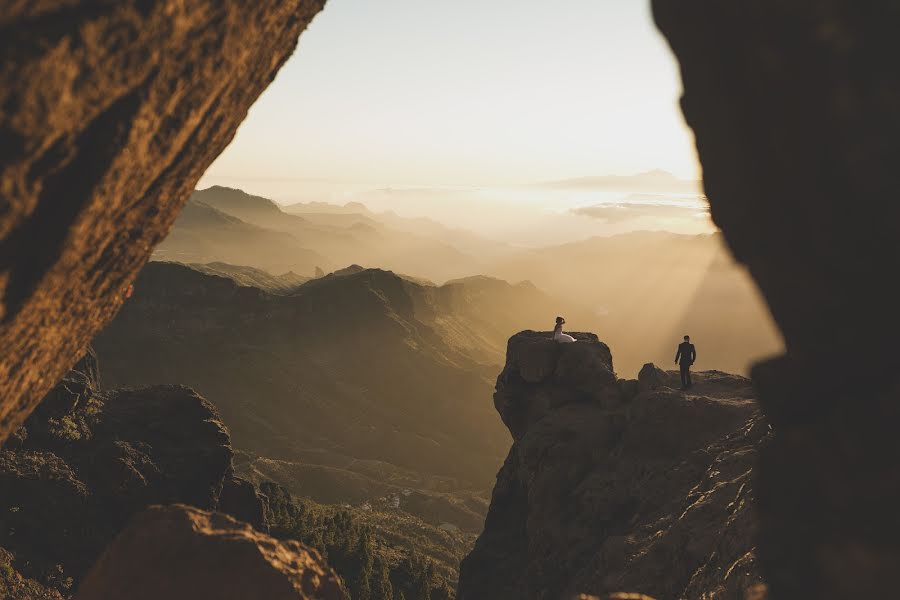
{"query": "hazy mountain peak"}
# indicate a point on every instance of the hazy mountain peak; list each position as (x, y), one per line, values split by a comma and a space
(226, 199)
(657, 174)
(351, 270)
(197, 213)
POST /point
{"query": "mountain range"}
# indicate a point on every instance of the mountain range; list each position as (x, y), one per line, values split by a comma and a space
(353, 386)
(643, 290)
(227, 225)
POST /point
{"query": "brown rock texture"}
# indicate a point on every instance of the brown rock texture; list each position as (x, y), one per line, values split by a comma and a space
(13, 586)
(608, 489)
(87, 460)
(182, 553)
(794, 108)
(110, 112)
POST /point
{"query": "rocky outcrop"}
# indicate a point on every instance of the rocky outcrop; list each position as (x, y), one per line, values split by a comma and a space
(111, 113)
(793, 106)
(13, 586)
(182, 553)
(651, 377)
(87, 460)
(605, 491)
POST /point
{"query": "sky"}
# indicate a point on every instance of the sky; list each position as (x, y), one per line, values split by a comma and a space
(438, 93)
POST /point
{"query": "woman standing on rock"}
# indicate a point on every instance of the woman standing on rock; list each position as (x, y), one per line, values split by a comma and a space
(558, 334)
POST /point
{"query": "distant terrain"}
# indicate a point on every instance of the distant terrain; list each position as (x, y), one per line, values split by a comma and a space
(641, 290)
(354, 387)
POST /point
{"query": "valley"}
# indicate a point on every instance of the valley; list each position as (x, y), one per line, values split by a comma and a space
(366, 390)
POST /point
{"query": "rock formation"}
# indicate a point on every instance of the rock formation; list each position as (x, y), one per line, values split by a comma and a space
(793, 105)
(13, 586)
(182, 553)
(111, 111)
(605, 491)
(426, 359)
(87, 460)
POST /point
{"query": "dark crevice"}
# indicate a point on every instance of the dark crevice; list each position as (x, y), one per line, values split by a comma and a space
(31, 250)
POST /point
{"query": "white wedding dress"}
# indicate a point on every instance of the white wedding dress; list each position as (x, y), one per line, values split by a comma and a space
(561, 337)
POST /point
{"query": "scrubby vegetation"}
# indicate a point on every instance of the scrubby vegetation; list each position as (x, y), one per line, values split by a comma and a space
(376, 560)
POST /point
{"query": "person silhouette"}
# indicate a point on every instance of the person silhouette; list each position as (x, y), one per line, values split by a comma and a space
(685, 357)
(558, 334)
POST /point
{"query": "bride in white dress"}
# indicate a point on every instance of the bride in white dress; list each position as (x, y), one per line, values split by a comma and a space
(558, 334)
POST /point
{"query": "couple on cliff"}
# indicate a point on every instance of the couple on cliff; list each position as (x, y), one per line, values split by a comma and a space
(684, 358)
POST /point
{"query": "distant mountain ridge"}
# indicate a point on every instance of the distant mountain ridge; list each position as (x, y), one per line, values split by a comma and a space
(359, 364)
(205, 234)
(642, 289)
(328, 235)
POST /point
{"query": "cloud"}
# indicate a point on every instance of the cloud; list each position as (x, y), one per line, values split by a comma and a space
(622, 212)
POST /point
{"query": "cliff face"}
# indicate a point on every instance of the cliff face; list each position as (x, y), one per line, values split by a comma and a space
(616, 486)
(793, 105)
(111, 113)
(88, 460)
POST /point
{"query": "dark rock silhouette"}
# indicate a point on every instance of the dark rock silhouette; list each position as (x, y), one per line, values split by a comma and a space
(87, 460)
(13, 586)
(182, 553)
(603, 491)
(652, 377)
(111, 113)
(796, 127)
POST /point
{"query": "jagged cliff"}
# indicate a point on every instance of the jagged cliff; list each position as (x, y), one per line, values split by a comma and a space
(615, 485)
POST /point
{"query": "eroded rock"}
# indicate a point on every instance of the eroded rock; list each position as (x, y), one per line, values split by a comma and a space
(650, 493)
(89, 459)
(183, 553)
(111, 113)
(651, 377)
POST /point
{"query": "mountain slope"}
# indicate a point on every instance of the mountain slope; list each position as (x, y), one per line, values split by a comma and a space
(354, 238)
(358, 366)
(204, 234)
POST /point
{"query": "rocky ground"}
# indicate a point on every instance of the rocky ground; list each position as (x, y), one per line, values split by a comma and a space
(87, 460)
(615, 485)
(611, 485)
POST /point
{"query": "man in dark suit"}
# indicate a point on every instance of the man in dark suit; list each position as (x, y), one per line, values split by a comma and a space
(685, 357)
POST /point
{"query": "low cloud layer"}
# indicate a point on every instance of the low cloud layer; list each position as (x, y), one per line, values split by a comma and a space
(623, 212)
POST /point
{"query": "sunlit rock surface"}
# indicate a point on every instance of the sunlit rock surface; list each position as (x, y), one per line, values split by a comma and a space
(604, 492)
(111, 111)
(87, 460)
(182, 553)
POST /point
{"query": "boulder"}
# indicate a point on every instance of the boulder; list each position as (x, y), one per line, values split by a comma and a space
(534, 355)
(585, 365)
(172, 431)
(556, 374)
(652, 378)
(91, 459)
(182, 553)
(242, 500)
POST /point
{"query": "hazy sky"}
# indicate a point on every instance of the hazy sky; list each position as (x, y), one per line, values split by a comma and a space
(467, 92)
